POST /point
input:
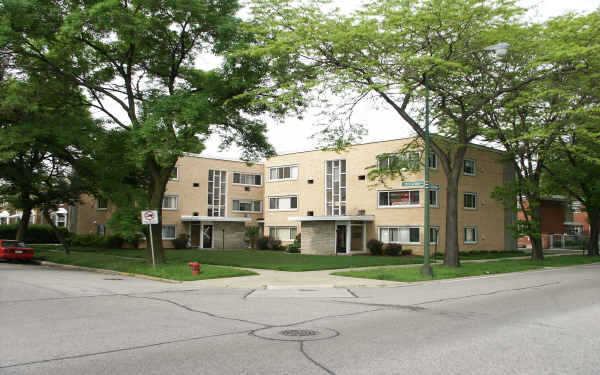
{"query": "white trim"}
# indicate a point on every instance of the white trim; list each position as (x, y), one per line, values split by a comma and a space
(249, 173)
(409, 227)
(249, 200)
(98, 208)
(279, 197)
(332, 218)
(176, 167)
(432, 153)
(345, 187)
(285, 179)
(437, 236)
(476, 235)
(216, 218)
(162, 228)
(193, 155)
(474, 167)
(224, 204)
(176, 202)
(283, 227)
(476, 200)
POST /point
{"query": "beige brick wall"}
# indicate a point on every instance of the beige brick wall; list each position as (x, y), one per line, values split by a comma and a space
(489, 217)
(233, 235)
(318, 237)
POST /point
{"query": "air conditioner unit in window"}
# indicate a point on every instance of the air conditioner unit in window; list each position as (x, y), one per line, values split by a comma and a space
(310, 213)
(361, 212)
(246, 188)
(195, 214)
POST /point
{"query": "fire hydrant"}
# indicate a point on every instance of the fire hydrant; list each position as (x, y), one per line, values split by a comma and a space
(195, 267)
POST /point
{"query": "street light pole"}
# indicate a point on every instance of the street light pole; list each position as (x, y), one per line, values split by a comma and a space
(426, 269)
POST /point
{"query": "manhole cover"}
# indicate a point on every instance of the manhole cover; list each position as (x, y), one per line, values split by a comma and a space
(299, 332)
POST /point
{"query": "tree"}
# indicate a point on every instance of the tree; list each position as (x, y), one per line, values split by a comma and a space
(136, 62)
(44, 130)
(385, 51)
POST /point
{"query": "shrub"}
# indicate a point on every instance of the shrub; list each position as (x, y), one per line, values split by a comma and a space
(275, 244)
(36, 233)
(406, 252)
(251, 235)
(113, 241)
(375, 246)
(298, 240)
(262, 243)
(392, 249)
(293, 248)
(181, 241)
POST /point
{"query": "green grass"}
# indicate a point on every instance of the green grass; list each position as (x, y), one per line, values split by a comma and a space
(411, 274)
(475, 255)
(279, 260)
(174, 270)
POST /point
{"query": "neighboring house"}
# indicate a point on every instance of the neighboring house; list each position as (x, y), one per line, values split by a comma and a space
(328, 197)
(60, 217)
(210, 200)
(559, 216)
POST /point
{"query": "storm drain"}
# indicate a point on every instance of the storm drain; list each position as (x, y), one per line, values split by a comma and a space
(299, 332)
(296, 334)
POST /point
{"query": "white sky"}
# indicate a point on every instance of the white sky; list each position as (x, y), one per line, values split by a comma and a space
(381, 123)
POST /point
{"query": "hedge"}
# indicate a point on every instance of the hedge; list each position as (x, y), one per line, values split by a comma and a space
(36, 233)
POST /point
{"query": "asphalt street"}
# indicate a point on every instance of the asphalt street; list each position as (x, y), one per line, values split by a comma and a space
(67, 322)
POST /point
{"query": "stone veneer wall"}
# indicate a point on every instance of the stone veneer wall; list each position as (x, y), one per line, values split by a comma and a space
(318, 237)
(234, 235)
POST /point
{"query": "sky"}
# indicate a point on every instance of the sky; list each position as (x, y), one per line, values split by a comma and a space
(295, 134)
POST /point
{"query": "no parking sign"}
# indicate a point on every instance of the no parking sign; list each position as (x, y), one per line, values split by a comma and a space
(150, 217)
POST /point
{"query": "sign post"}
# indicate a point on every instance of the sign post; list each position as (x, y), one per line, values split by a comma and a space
(150, 217)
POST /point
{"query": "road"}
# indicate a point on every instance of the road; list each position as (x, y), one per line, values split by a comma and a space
(72, 322)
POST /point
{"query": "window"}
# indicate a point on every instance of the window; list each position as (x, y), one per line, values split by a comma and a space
(246, 205)
(169, 231)
(433, 198)
(287, 203)
(101, 229)
(335, 187)
(247, 178)
(432, 160)
(283, 173)
(433, 235)
(399, 198)
(470, 201)
(174, 173)
(102, 204)
(170, 202)
(397, 161)
(217, 190)
(470, 234)
(402, 235)
(469, 168)
(283, 233)
(60, 220)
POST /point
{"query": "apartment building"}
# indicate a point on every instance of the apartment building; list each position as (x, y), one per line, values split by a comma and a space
(328, 197)
(210, 200)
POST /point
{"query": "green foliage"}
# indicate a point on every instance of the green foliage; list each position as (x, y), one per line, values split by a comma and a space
(181, 241)
(375, 246)
(112, 241)
(392, 249)
(35, 234)
(295, 246)
(262, 243)
(251, 235)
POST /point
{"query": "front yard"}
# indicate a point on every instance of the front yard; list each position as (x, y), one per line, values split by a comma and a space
(411, 274)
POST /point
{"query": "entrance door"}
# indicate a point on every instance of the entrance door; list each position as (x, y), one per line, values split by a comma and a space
(207, 237)
(357, 238)
(340, 242)
(195, 235)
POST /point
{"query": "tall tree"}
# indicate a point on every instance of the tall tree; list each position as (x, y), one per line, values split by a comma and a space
(136, 61)
(385, 52)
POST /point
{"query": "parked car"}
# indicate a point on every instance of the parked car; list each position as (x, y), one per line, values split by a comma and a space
(11, 249)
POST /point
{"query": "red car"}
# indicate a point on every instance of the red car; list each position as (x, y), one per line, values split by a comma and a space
(11, 249)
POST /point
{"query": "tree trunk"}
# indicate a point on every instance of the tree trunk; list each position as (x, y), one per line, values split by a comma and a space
(537, 249)
(594, 220)
(158, 184)
(24, 224)
(451, 256)
(58, 233)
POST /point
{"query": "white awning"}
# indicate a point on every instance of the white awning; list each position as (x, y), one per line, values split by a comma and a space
(4, 214)
(15, 216)
(333, 218)
(216, 218)
(60, 211)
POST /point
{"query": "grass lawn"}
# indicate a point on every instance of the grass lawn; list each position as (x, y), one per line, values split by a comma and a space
(174, 270)
(410, 274)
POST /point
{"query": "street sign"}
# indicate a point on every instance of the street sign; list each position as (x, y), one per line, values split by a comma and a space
(150, 217)
(413, 183)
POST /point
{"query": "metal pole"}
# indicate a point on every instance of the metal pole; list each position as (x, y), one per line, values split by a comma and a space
(152, 247)
(426, 270)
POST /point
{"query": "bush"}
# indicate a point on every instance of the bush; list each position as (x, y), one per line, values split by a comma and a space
(298, 240)
(262, 243)
(293, 248)
(375, 246)
(275, 244)
(251, 235)
(392, 249)
(113, 241)
(181, 241)
(36, 233)
(406, 252)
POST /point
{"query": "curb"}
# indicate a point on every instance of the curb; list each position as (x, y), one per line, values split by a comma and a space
(108, 272)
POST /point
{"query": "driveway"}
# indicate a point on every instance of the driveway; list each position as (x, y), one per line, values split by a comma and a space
(73, 322)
